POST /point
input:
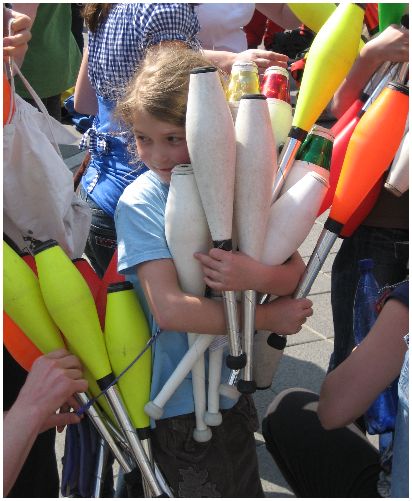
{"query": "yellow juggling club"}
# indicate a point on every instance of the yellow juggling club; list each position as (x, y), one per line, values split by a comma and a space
(24, 304)
(126, 335)
(313, 15)
(71, 305)
(329, 60)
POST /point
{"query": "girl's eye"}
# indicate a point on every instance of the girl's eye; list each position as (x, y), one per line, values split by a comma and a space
(174, 139)
(142, 139)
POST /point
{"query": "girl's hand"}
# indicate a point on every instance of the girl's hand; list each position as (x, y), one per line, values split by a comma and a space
(286, 315)
(226, 270)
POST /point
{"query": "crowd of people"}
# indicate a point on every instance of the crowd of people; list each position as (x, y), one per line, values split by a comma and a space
(133, 77)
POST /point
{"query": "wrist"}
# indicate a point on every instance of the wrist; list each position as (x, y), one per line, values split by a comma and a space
(26, 415)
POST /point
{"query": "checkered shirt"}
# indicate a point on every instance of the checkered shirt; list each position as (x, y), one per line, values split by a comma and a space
(119, 43)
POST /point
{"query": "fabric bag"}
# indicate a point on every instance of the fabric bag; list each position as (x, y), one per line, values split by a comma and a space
(39, 202)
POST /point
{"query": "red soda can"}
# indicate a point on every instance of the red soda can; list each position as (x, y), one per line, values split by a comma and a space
(275, 83)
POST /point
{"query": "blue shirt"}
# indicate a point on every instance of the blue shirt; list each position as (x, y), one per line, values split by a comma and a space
(140, 226)
(115, 51)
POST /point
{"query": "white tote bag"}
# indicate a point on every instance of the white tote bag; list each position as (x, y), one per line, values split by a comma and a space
(39, 202)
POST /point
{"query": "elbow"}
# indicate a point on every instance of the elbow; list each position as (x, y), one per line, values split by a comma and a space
(326, 418)
(166, 319)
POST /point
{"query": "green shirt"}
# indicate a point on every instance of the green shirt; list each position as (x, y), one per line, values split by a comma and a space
(53, 58)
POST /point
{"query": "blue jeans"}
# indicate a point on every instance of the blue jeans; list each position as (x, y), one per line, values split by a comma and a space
(102, 240)
(389, 250)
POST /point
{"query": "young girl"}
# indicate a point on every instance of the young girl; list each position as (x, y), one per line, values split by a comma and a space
(226, 466)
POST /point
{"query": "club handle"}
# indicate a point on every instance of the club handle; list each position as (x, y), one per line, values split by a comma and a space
(323, 246)
(246, 384)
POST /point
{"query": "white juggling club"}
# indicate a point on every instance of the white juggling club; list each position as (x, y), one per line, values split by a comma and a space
(210, 136)
(187, 232)
(290, 221)
(255, 172)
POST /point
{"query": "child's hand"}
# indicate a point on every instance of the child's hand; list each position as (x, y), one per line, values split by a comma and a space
(286, 315)
(227, 271)
(391, 45)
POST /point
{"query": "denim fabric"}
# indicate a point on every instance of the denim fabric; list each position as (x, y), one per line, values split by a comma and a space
(400, 465)
(389, 250)
(102, 239)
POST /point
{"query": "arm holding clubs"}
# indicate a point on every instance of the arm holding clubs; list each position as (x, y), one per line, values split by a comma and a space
(391, 45)
(175, 310)
(53, 380)
(237, 271)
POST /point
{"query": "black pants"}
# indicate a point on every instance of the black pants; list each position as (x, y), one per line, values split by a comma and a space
(316, 462)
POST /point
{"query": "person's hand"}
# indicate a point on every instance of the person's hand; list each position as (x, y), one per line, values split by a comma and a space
(391, 45)
(286, 316)
(227, 270)
(262, 58)
(16, 45)
(50, 385)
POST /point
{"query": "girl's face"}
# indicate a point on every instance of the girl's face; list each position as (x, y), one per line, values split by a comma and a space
(160, 145)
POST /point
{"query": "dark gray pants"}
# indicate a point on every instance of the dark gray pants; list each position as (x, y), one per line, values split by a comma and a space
(226, 466)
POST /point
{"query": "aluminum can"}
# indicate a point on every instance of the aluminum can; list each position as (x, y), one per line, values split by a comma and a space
(275, 83)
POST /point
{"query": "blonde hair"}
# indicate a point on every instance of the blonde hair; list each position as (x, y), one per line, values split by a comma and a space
(161, 84)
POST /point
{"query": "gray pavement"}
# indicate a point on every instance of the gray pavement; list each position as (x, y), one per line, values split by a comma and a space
(305, 358)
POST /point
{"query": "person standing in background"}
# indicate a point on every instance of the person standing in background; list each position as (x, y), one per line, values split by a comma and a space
(53, 59)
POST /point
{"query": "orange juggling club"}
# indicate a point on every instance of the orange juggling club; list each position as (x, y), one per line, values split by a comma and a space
(342, 139)
(18, 344)
(371, 149)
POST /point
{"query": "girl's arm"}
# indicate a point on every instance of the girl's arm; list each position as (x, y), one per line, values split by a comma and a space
(236, 271)
(85, 100)
(350, 389)
(263, 58)
(175, 310)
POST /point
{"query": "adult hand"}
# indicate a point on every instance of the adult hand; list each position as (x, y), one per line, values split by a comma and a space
(16, 44)
(51, 383)
(391, 45)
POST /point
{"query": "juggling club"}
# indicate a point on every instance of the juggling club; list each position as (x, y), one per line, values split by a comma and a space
(74, 311)
(338, 39)
(211, 143)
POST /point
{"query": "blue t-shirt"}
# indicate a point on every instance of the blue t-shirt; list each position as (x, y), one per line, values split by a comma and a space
(140, 227)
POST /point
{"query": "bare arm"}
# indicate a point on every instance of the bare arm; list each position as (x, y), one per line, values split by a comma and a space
(280, 14)
(350, 389)
(85, 100)
(30, 9)
(54, 378)
(175, 310)
(237, 271)
(263, 58)
(391, 45)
